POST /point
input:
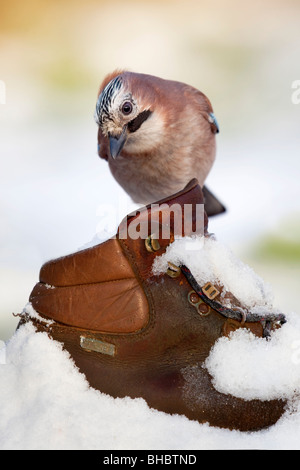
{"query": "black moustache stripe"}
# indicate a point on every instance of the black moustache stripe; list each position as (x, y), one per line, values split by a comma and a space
(136, 123)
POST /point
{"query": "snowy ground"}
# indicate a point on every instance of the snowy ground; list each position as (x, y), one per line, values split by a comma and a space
(47, 404)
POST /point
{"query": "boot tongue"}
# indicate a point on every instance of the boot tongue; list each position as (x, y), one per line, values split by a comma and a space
(181, 214)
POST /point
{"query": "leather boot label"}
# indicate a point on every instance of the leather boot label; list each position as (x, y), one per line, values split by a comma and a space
(91, 344)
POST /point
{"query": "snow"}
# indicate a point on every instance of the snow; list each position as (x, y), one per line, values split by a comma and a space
(248, 367)
(46, 403)
(210, 260)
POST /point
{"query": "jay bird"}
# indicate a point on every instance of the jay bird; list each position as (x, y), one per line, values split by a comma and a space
(156, 135)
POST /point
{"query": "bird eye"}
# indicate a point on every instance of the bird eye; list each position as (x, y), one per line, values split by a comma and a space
(127, 108)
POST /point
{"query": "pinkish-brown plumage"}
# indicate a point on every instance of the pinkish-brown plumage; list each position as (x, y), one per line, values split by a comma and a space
(156, 134)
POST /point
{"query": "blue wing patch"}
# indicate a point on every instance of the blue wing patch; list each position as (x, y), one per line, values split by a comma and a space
(213, 120)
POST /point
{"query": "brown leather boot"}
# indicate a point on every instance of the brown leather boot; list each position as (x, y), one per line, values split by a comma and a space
(139, 335)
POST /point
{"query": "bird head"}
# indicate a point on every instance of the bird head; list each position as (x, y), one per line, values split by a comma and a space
(140, 113)
(120, 113)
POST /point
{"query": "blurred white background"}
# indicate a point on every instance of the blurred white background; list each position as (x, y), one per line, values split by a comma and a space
(244, 56)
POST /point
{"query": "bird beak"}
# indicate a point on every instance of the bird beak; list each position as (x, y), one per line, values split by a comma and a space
(116, 143)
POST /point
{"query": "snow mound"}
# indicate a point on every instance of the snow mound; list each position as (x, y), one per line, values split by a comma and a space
(250, 367)
(46, 403)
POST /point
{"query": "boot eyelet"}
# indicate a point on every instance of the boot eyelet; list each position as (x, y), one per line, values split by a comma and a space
(243, 314)
(173, 270)
(202, 308)
(152, 243)
(193, 298)
(210, 291)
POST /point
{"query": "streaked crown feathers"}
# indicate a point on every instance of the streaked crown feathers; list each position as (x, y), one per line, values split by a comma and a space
(106, 99)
